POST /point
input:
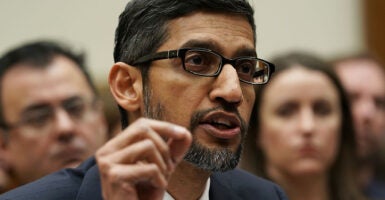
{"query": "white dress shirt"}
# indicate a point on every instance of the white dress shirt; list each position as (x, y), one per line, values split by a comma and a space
(205, 195)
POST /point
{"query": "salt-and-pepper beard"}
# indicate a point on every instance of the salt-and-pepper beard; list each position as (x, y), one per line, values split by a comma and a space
(209, 159)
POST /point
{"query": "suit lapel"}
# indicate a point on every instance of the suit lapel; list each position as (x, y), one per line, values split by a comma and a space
(220, 189)
(90, 187)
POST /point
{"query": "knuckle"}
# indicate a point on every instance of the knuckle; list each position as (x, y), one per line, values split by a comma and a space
(142, 122)
(153, 169)
(143, 127)
(99, 154)
(114, 175)
(149, 144)
(150, 150)
(103, 163)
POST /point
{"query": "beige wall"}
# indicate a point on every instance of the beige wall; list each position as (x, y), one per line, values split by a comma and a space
(327, 27)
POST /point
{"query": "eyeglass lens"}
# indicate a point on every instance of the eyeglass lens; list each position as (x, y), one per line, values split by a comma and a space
(208, 64)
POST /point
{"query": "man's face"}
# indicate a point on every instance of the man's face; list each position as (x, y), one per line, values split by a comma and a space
(56, 122)
(215, 109)
(365, 84)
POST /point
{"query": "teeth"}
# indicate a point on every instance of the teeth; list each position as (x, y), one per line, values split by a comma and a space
(222, 122)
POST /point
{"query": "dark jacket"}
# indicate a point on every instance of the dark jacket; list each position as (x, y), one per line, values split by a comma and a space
(83, 183)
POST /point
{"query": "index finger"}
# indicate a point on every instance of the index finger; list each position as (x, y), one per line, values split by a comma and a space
(165, 131)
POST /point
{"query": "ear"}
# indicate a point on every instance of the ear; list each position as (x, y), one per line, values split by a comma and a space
(126, 86)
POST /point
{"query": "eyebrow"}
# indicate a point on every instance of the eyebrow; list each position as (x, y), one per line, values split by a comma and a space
(212, 45)
(35, 107)
(45, 105)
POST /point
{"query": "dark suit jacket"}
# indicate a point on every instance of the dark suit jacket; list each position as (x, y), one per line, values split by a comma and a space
(83, 183)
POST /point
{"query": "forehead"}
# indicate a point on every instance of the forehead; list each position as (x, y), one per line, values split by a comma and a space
(24, 85)
(362, 75)
(299, 83)
(223, 32)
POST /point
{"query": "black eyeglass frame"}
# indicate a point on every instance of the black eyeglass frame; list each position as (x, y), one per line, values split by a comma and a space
(181, 53)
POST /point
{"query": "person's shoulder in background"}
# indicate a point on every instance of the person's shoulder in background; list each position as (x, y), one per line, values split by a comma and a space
(60, 185)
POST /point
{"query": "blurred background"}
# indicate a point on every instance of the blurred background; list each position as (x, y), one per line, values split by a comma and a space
(327, 27)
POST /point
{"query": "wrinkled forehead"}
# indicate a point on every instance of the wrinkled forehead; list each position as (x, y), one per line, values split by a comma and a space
(361, 74)
(217, 31)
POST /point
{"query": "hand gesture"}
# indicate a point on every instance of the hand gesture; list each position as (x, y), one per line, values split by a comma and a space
(137, 163)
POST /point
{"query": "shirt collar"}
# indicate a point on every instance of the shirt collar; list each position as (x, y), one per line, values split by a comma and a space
(205, 195)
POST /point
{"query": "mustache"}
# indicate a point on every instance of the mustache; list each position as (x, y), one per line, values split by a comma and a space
(197, 117)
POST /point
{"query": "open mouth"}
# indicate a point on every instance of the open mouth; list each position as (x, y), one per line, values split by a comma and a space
(221, 125)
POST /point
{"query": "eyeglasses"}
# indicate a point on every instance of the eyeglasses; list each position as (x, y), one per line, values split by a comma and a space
(205, 62)
(39, 119)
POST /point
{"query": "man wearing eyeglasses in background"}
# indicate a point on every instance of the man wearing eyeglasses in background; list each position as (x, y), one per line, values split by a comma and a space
(51, 117)
(184, 79)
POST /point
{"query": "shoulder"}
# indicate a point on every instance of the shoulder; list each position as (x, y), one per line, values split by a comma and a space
(246, 186)
(63, 184)
(376, 189)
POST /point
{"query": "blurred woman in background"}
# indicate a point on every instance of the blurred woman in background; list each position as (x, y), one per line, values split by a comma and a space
(301, 133)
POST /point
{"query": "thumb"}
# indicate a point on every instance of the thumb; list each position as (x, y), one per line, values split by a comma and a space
(179, 145)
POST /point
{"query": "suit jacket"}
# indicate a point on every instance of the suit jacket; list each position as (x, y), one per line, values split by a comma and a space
(375, 190)
(83, 183)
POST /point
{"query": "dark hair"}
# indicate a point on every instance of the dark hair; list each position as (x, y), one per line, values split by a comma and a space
(342, 173)
(361, 56)
(39, 54)
(142, 27)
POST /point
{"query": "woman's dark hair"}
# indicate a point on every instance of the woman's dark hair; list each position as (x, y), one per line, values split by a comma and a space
(342, 173)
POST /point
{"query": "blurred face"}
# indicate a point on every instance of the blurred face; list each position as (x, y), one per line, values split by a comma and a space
(54, 119)
(215, 109)
(365, 84)
(300, 123)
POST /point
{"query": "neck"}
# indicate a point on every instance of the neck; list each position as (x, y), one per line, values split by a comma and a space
(187, 182)
(304, 188)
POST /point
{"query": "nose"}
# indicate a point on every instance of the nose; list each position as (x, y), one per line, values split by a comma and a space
(307, 121)
(365, 109)
(64, 126)
(227, 86)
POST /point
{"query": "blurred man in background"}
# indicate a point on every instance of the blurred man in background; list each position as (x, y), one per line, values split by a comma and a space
(51, 117)
(363, 77)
